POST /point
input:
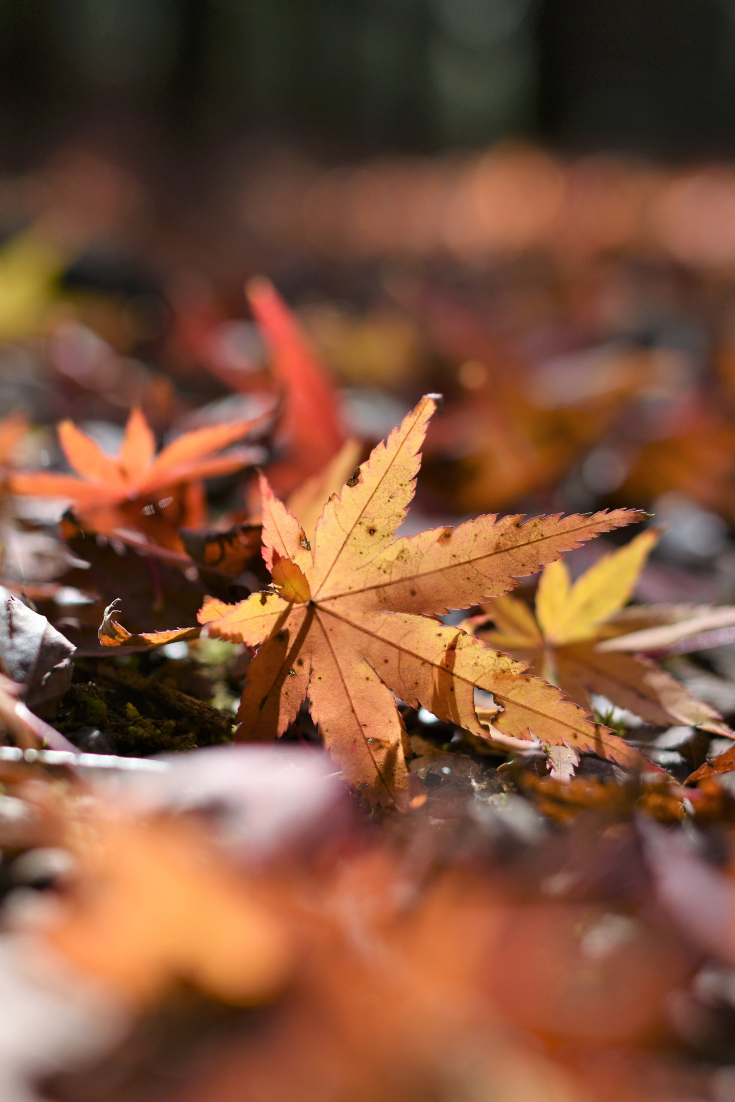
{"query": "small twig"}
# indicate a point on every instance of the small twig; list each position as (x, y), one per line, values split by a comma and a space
(85, 761)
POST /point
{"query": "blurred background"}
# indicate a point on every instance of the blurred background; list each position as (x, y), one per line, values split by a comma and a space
(370, 75)
(527, 205)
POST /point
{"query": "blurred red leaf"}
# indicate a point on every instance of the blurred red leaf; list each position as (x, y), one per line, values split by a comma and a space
(310, 426)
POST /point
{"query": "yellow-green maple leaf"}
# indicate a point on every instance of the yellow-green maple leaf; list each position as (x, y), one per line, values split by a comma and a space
(566, 640)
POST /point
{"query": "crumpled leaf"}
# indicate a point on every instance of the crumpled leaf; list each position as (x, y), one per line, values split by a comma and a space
(34, 654)
(360, 633)
(111, 633)
(563, 642)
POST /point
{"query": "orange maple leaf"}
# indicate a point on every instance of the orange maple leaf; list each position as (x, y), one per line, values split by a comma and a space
(354, 621)
(137, 488)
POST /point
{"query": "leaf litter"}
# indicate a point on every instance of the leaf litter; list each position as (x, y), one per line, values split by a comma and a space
(454, 844)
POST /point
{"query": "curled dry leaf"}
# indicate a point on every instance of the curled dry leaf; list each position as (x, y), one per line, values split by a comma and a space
(722, 763)
(238, 548)
(561, 641)
(353, 621)
(156, 585)
(34, 654)
(111, 633)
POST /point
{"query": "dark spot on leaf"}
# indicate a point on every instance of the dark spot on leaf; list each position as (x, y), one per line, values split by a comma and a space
(305, 544)
(352, 480)
(371, 531)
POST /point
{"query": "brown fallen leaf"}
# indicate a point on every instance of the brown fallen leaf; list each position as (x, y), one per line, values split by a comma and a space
(562, 760)
(232, 551)
(157, 586)
(723, 763)
(111, 633)
(563, 799)
(138, 489)
(561, 641)
(667, 801)
(238, 548)
(354, 618)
